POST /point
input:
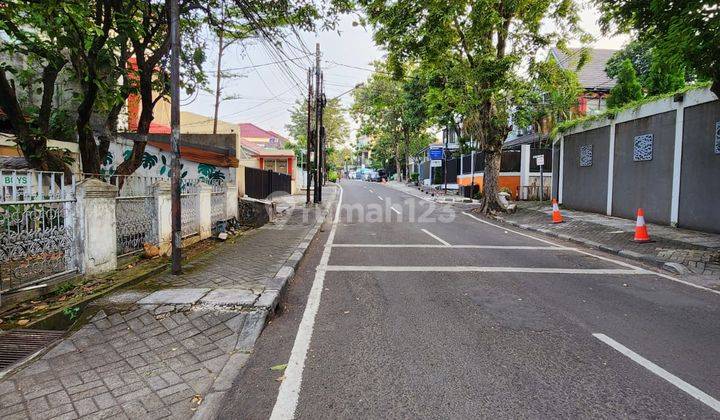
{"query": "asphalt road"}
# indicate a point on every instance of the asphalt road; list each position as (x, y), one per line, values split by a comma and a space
(427, 312)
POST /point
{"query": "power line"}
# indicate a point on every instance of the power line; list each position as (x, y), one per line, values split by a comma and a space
(260, 65)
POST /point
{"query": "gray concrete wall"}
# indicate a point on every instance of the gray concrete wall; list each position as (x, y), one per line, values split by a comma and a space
(585, 187)
(646, 184)
(700, 174)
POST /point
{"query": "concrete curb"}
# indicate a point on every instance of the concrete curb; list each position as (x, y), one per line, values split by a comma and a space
(648, 259)
(279, 283)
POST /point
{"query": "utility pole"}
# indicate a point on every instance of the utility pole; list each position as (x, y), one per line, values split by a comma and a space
(445, 152)
(321, 160)
(308, 145)
(175, 136)
(218, 75)
(318, 145)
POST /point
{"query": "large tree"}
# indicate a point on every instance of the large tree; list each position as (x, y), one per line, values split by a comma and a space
(688, 31)
(390, 108)
(334, 120)
(91, 41)
(476, 48)
(34, 58)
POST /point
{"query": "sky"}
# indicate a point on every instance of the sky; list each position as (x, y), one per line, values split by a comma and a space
(265, 92)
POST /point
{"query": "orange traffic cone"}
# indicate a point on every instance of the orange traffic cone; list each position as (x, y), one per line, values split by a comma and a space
(641, 233)
(556, 216)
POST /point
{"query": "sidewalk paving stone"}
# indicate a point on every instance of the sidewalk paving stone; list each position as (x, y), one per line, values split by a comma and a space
(692, 254)
(170, 353)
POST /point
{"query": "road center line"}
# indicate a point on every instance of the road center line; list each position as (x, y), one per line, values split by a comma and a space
(436, 237)
(465, 269)
(289, 391)
(505, 247)
(600, 257)
(652, 367)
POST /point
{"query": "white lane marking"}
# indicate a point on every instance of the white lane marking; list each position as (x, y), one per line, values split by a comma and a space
(600, 257)
(506, 247)
(395, 210)
(464, 269)
(370, 189)
(503, 227)
(436, 237)
(289, 391)
(652, 367)
(381, 199)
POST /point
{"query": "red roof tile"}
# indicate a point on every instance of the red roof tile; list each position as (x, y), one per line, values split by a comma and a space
(253, 131)
(159, 128)
(257, 149)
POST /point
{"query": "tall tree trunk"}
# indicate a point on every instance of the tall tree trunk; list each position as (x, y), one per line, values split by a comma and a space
(86, 138)
(406, 138)
(49, 77)
(492, 134)
(398, 161)
(146, 116)
(491, 181)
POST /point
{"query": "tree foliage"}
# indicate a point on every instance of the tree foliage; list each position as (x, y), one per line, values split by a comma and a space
(472, 51)
(88, 44)
(687, 32)
(656, 73)
(627, 89)
(393, 113)
(551, 96)
(334, 120)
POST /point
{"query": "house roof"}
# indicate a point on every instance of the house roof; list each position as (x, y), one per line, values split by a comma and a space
(13, 163)
(592, 75)
(156, 128)
(250, 130)
(278, 136)
(259, 151)
(532, 138)
(196, 154)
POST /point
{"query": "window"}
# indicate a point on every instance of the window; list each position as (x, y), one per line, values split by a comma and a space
(586, 155)
(643, 148)
(276, 165)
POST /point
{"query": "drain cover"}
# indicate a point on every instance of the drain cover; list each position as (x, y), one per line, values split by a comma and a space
(16, 345)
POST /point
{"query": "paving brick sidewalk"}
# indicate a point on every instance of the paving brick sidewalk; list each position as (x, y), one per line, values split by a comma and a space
(694, 255)
(169, 353)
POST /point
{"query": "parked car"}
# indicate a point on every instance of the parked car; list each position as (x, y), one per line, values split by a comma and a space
(382, 175)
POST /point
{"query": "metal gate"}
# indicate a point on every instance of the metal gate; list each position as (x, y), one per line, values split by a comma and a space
(260, 183)
(37, 231)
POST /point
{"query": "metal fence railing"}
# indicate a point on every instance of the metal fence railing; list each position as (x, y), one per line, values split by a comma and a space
(37, 232)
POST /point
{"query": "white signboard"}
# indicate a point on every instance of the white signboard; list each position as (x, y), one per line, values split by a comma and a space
(436, 163)
(19, 180)
(539, 160)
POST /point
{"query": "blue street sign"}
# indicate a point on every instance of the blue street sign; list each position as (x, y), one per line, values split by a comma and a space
(435, 154)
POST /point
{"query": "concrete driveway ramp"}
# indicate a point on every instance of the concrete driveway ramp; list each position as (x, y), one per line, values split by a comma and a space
(229, 297)
(174, 297)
